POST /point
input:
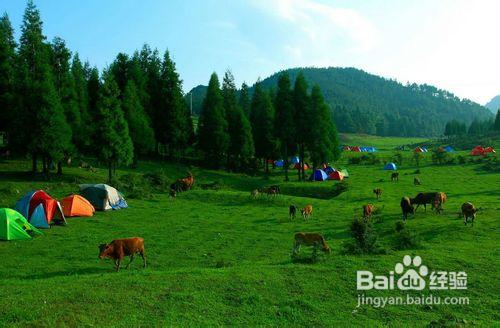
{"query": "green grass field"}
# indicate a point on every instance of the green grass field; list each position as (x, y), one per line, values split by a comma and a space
(218, 257)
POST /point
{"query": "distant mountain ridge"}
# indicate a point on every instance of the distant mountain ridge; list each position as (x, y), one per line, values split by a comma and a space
(494, 104)
(366, 103)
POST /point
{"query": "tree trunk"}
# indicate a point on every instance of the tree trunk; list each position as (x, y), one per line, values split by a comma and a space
(110, 171)
(34, 167)
(59, 168)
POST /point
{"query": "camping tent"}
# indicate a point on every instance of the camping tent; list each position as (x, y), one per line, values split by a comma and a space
(344, 173)
(103, 197)
(13, 226)
(279, 163)
(346, 148)
(390, 166)
(356, 148)
(297, 166)
(76, 205)
(418, 150)
(336, 176)
(424, 149)
(489, 150)
(328, 170)
(40, 209)
(478, 150)
(294, 160)
(449, 149)
(318, 175)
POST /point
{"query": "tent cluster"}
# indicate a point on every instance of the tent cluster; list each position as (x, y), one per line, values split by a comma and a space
(294, 162)
(364, 149)
(37, 209)
(328, 173)
(482, 151)
(420, 150)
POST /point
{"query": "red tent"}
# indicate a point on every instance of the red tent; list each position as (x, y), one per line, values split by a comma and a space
(356, 148)
(478, 150)
(336, 176)
(297, 166)
(418, 150)
(489, 150)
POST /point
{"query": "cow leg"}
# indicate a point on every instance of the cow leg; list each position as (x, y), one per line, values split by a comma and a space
(143, 259)
(131, 259)
(117, 264)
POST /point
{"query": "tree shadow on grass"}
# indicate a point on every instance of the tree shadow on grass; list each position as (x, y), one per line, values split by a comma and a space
(70, 272)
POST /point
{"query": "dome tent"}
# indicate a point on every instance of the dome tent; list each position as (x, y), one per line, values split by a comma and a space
(390, 166)
(13, 226)
(40, 209)
(103, 197)
(279, 163)
(76, 205)
(294, 160)
(328, 170)
(318, 175)
(336, 176)
(449, 149)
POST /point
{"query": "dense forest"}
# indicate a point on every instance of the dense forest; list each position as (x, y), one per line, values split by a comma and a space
(365, 103)
(54, 108)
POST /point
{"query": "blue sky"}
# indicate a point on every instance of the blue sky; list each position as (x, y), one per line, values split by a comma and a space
(453, 44)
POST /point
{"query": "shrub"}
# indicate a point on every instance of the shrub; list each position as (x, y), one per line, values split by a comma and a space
(364, 238)
(405, 238)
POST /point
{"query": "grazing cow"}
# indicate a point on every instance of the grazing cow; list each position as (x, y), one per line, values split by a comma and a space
(439, 200)
(292, 211)
(406, 207)
(469, 211)
(368, 211)
(183, 184)
(306, 211)
(173, 193)
(416, 181)
(276, 189)
(269, 191)
(395, 176)
(254, 193)
(310, 239)
(423, 198)
(377, 192)
(120, 248)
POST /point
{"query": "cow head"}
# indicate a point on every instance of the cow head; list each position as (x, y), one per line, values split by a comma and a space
(326, 248)
(105, 250)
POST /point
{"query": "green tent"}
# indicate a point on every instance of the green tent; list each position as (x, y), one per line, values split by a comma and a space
(344, 173)
(13, 226)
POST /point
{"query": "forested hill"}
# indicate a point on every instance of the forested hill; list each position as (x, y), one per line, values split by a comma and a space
(366, 103)
(494, 104)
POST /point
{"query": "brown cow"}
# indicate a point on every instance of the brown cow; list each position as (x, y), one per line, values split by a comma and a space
(310, 239)
(368, 211)
(439, 200)
(423, 198)
(306, 212)
(406, 207)
(377, 192)
(395, 176)
(120, 248)
(469, 211)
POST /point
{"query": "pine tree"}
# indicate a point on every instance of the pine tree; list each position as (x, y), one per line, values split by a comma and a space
(212, 126)
(120, 70)
(114, 145)
(302, 118)
(496, 125)
(241, 148)
(244, 101)
(140, 129)
(171, 118)
(262, 121)
(83, 135)
(323, 142)
(92, 90)
(47, 133)
(7, 74)
(284, 122)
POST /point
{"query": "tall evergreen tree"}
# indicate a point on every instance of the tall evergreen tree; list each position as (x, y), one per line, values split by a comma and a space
(7, 74)
(262, 120)
(241, 148)
(212, 126)
(92, 90)
(302, 118)
(140, 129)
(120, 70)
(284, 123)
(244, 101)
(323, 141)
(84, 131)
(171, 118)
(47, 133)
(114, 145)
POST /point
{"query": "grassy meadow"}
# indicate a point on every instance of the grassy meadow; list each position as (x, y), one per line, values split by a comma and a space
(218, 257)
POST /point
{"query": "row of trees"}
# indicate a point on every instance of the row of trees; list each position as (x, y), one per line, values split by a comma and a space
(54, 107)
(267, 125)
(456, 128)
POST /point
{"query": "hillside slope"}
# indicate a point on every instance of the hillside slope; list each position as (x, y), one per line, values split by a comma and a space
(493, 104)
(366, 103)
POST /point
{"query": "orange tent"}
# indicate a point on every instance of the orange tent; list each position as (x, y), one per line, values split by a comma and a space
(336, 176)
(76, 205)
(297, 166)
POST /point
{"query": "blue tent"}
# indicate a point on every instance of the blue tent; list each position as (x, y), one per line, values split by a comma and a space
(294, 160)
(424, 149)
(279, 163)
(23, 205)
(318, 175)
(371, 149)
(329, 170)
(390, 166)
(449, 149)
